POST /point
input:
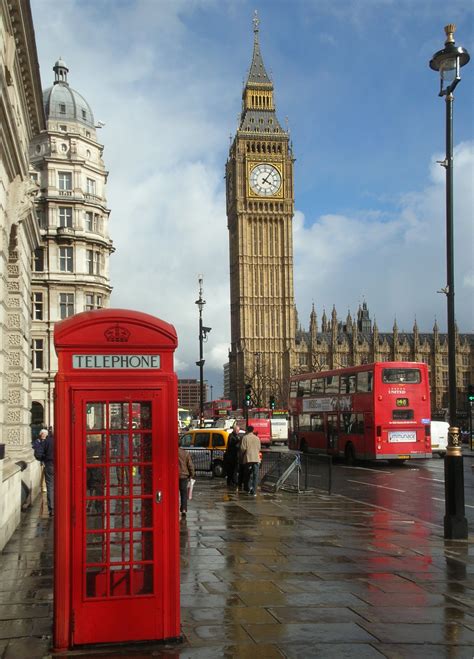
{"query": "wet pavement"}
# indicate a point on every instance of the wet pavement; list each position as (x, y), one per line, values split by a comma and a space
(279, 575)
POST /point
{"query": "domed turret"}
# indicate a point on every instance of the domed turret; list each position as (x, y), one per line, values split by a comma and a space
(62, 102)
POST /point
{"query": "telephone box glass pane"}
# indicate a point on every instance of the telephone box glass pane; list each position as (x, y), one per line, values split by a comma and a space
(95, 548)
(142, 480)
(142, 546)
(142, 513)
(119, 488)
(119, 547)
(119, 513)
(95, 448)
(141, 448)
(119, 478)
(95, 481)
(119, 415)
(119, 448)
(95, 416)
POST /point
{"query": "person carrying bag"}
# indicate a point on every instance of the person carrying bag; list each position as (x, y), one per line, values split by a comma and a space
(186, 478)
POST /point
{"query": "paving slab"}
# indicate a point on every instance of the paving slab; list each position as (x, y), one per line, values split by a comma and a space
(279, 575)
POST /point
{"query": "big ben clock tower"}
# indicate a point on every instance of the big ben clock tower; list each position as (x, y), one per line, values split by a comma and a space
(259, 180)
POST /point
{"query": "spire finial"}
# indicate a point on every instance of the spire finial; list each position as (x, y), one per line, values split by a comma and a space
(256, 23)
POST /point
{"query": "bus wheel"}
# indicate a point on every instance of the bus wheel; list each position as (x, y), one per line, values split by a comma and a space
(303, 446)
(349, 454)
(218, 469)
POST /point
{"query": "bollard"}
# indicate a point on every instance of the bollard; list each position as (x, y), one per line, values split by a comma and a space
(455, 522)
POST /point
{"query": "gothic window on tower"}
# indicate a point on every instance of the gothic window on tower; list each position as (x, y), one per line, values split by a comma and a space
(66, 305)
(66, 259)
(37, 305)
(37, 354)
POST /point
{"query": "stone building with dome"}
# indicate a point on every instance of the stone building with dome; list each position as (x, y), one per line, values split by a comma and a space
(71, 265)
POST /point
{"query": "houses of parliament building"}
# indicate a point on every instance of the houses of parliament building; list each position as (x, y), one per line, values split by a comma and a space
(268, 344)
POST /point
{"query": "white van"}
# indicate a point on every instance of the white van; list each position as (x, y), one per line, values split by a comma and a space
(439, 437)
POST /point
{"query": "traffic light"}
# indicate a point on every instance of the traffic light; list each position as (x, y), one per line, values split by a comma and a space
(248, 395)
(272, 402)
(470, 393)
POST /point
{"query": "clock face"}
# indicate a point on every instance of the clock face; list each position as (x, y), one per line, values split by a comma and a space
(265, 180)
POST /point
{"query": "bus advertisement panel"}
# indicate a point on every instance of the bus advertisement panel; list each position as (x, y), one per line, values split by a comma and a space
(377, 411)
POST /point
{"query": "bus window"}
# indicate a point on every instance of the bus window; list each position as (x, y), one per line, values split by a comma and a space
(317, 423)
(332, 384)
(352, 424)
(402, 415)
(317, 386)
(348, 384)
(364, 381)
(304, 422)
(304, 387)
(398, 375)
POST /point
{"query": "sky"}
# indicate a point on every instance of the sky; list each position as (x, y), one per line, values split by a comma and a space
(353, 85)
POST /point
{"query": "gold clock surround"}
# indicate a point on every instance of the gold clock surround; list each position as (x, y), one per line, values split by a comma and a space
(251, 164)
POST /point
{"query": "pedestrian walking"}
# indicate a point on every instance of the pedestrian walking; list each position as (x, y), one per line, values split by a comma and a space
(231, 456)
(186, 471)
(250, 453)
(43, 448)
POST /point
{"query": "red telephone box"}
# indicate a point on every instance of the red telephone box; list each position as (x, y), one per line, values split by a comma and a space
(116, 544)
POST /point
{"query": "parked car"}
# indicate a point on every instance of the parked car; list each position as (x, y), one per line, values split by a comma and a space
(439, 437)
(207, 447)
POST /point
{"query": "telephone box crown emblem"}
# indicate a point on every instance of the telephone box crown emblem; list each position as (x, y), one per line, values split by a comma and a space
(117, 334)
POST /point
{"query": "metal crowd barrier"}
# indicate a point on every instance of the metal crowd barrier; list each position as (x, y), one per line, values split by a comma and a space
(296, 471)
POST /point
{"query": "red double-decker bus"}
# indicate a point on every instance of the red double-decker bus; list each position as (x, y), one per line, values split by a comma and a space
(217, 408)
(377, 411)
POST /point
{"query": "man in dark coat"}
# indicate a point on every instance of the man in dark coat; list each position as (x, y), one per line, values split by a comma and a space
(231, 456)
(43, 448)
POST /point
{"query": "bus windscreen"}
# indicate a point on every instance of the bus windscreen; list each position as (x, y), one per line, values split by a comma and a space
(401, 375)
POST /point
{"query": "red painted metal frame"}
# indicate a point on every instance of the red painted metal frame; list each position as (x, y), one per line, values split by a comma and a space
(113, 331)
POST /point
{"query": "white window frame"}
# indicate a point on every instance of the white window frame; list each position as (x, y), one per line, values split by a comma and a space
(65, 216)
(65, 181)
(66, 259)
(37, 305)
(37, 354)
(66, 305)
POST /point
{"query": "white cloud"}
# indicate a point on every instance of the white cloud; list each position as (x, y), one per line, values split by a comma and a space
(396, 263)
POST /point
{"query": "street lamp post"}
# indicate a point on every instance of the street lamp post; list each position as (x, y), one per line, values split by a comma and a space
(448, 62)
(203, 332)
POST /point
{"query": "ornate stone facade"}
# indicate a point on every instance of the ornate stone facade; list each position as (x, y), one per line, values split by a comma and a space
(21, 120)
(71, 266)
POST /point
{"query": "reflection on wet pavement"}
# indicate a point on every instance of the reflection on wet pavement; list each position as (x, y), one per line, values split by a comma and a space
(279, 575)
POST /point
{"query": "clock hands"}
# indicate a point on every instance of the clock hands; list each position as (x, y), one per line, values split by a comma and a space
(265, 180)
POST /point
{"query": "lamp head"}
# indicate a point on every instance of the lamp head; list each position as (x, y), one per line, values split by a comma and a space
(449, 62)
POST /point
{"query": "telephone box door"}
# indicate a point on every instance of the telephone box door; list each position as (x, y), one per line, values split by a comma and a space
(119, 513)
